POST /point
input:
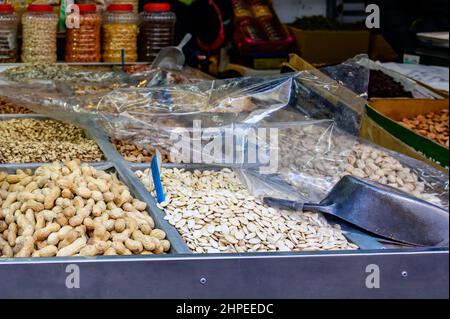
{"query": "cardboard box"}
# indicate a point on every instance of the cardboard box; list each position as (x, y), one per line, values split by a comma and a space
(374, 133)
(381, 50)
(369, 128)
(330, 47)
(386, 112)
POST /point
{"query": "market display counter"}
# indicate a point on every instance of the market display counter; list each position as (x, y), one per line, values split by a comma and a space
(362, 266)
(417, 273)
(373, 271)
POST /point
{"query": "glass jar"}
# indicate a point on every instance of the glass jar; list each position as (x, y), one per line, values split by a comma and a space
(135, 4)
(39, 31)
(120, 31)
(8, 33)
(83, 40)
(157, 30)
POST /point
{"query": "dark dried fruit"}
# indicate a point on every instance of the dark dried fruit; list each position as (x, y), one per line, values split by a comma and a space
(383, 86)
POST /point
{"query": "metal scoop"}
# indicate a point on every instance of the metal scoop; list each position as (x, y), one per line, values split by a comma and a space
(381, 210)
(172, 57)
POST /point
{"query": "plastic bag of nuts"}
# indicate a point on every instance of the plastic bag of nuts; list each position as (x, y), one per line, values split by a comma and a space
(314, 155)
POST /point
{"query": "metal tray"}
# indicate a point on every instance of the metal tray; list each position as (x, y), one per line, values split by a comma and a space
(362, 240)
(408, 273)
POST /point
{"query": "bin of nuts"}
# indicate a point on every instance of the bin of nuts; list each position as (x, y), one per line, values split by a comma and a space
(7, 107)
(432, 125)
(83, 41)
(136, 154)
(39, 30)
(33, 140)
(120, 31)
(73, 210)
(214, 212)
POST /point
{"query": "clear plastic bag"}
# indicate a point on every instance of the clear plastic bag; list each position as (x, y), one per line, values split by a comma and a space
(71, 80)
(151, 117)
(351, 75)
(193, 117)
(311, 155)
(355, 75)
(149, 77)
(319, 97)
(314, 155)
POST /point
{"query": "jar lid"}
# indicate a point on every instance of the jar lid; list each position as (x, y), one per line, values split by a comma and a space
(120, 7)
(157, 7)
(87, 7)
(40, 8)
(6, 8)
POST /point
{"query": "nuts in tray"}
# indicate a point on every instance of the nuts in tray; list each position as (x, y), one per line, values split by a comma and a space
(136, 154)
(33, 140)
(73, 210)
(433, 125)
(215, 213)
(7, 107)
(57, 72)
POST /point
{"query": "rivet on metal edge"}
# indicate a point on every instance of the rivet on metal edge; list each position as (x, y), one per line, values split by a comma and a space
(203, 281)
(404, 274)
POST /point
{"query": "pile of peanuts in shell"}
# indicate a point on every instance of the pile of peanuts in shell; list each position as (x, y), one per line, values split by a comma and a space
(7, 107)
(215, 213)
(136, 154)
(433, 125)
(36, 140)
(73, 210)
(313, 158)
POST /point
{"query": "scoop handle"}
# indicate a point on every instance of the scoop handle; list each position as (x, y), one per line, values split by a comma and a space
(283, 203)
(319, 208)
(299, 206)
(185, 41)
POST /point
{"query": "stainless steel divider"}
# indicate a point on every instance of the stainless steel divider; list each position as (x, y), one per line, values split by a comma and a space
(362, 240)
